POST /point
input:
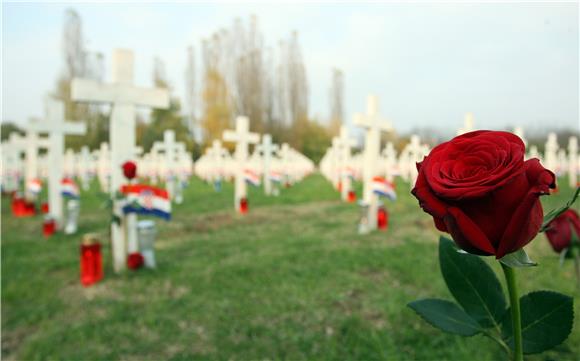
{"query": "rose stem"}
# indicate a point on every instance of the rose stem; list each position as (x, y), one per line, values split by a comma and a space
(510, 277)
(576, 255)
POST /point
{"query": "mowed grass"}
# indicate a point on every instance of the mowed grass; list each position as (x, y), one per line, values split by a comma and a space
(291, 280)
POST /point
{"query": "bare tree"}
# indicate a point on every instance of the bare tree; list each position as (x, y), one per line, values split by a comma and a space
(336, 95)
(190, 95)
(159, 73)
(73, 45)
(295, 89)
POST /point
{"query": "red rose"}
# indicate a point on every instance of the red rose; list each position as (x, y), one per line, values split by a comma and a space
(135, 261)
(479, 189)
(559, 231)
(129, 170)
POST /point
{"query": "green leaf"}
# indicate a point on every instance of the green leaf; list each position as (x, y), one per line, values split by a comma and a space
(556, 212)
(473, 284)
(517, 259)
(547, 319)
(446, 316)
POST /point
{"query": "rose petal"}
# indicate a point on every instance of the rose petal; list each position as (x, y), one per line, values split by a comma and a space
(527, 219)
(427, 199)
(440, 224)
(467, 234)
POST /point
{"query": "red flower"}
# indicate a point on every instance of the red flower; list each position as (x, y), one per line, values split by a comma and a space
(479, 189)
(559, 231)
(135, 261)
(129, 170)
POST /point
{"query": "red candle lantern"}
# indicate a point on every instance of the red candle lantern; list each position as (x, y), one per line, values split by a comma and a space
(382, 218)
(29, 208)
(48, 226)
(91, 260)
(351, 196)
(244, 205)
(17, 205)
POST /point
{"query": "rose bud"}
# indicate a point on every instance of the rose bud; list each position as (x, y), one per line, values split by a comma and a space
(129, 170)
(479, 189)
(559, 230)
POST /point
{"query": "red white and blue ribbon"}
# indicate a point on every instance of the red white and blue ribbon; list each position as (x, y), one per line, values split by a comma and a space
(69, 189)
(276, 177)
(348, 172)
(34, 186)
(384, 188)
(148, 200)
(251, 178)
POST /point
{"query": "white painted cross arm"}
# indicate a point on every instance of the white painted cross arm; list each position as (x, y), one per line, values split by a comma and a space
(372, 120)
(55, 121)
(91, 91)
(242, 133)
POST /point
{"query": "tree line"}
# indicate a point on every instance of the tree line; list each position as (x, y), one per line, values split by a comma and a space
(239, 75)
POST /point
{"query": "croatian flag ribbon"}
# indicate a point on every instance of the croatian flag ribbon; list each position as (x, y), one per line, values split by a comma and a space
(251, 178)
(34, 186)
(69, 188)
(384, 188)
(348, 172)
(276, 177)
(145, 199)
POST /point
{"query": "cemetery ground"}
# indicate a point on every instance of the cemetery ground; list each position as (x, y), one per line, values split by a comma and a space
(290, 280)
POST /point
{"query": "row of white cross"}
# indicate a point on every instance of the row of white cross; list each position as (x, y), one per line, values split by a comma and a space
(340, 167)
(270, 162)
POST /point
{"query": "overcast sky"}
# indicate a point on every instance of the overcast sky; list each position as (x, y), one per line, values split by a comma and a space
(508, 64)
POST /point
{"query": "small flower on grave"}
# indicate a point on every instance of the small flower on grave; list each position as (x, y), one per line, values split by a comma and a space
(129, 170)
(479, 189)
(135, 261)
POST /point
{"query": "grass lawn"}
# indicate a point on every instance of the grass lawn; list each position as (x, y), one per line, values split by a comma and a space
(291, 280)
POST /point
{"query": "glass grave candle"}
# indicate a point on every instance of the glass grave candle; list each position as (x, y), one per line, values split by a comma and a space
(18, 204)
(244, 205)
(147, 232)
(351, 196)
(44, 208)
(73, 208)
(382, 218)
(363, 225)
(91, 260)
(178, 198)
(48, 226)
(29, 208)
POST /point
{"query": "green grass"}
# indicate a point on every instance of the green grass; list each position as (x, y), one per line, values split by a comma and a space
(291, 280)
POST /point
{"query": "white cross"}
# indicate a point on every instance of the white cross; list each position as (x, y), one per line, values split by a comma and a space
(104, 166)
(243, 138)
(573, 162)
(57, 128)
(468, 124)
(344, 144)
(416, 153)
(519, 131)
(267, 148)
(216, 155)
(374, 125)
(171, 149)
(551, 153)
(33, 144)
(124, 96)
(12, 150)
(390, 155)
(85, 164)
